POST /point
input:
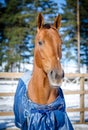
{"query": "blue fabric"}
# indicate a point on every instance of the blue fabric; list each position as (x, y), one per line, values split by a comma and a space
(32, 116)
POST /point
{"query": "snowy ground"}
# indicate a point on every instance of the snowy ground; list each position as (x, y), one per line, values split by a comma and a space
(6, 103)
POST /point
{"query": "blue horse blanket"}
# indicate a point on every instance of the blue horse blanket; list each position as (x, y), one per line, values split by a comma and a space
(32, 116)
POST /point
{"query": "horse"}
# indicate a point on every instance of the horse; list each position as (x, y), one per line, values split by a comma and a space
(39, 102)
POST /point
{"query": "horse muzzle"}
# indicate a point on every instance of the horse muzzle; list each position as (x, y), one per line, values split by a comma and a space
(55, 78)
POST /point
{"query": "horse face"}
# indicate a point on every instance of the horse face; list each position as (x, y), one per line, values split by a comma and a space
(48, 53)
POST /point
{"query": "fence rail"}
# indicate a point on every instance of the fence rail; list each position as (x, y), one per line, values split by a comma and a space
(82, 92)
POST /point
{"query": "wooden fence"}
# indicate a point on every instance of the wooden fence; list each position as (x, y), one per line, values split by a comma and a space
(82, 92)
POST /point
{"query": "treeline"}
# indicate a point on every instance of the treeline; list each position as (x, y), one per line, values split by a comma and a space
(69, 16)
(18, 29)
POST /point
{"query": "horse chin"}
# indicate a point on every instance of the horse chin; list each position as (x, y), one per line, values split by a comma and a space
(55, 85)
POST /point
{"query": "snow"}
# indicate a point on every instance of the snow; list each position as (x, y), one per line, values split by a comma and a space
(80, 127)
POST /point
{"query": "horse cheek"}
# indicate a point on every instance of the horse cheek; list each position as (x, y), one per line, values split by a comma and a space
(60, 52)
(38, 60)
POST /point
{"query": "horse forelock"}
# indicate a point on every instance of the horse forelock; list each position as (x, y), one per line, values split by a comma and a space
(48, 26)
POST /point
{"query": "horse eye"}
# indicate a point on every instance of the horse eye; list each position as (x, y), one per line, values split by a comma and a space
(40, 43)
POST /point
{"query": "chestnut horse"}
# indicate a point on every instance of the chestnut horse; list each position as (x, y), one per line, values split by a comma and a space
(39, 102)
(47, 73)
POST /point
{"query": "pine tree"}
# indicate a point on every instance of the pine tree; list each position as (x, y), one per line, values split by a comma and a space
(70, 29)
(18, 28)
(84, 31)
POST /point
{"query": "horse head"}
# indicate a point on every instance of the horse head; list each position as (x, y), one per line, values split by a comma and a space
(48, 50)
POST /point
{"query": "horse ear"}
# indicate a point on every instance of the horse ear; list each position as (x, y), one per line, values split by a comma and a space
(40, 21)
(57, 22)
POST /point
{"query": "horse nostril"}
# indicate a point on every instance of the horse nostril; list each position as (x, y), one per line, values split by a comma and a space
(54, 74)
(51, 72)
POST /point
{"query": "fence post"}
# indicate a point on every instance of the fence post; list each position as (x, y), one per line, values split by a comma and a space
(82, 100)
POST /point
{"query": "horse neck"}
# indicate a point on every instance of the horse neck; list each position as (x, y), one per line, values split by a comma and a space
(39, 77)
(39, 89)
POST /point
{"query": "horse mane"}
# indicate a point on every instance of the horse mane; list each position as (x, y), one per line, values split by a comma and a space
(48, 26)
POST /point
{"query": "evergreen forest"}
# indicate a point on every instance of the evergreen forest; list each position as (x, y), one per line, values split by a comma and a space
(18, 29)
